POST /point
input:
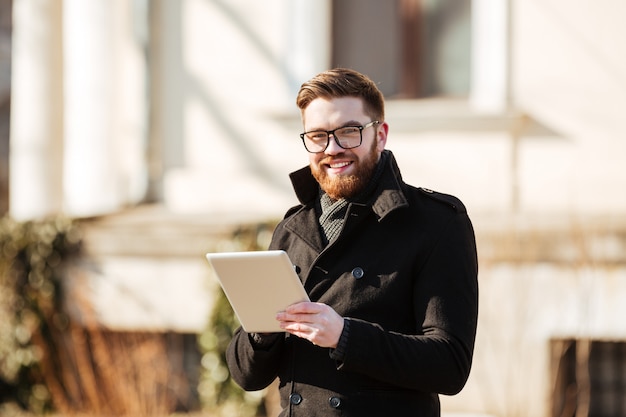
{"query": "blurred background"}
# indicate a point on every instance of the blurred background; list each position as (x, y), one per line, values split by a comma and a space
(136, 135)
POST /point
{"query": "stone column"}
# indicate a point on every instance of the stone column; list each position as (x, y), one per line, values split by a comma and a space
(91, 181)
(167, 90)
(310, 34)
(490, 55)
(36, 144)
(105, 105)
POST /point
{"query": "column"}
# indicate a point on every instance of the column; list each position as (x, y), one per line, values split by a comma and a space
(490, 55)
(310, 35)
(92, 180)
(36, 143)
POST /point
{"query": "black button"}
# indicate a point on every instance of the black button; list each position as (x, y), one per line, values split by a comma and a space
(358, 272)
(334, 402)
(296, 268)
(295, 399)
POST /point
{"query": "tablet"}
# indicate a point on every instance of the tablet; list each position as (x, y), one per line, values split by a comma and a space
(258, 285)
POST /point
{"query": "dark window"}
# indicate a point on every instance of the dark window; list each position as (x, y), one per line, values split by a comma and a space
(413, 48)
(590, 378)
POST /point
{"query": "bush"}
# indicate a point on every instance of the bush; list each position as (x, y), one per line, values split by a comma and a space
(32, 257)
(50, 363)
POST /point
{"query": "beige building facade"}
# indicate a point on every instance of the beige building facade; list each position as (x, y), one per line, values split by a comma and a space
(183, 112)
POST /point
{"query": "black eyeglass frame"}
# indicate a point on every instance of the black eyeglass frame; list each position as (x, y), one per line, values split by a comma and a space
(332, 132)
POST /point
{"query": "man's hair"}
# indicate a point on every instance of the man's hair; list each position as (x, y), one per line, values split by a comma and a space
(342, 82)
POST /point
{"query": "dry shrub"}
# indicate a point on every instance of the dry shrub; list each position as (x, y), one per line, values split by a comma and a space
(96, 372)
(91, 370)
(71, 364)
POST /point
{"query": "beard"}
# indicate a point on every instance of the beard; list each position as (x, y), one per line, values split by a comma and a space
(347, 186)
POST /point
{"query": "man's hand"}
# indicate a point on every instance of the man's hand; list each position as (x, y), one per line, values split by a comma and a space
(315, 322)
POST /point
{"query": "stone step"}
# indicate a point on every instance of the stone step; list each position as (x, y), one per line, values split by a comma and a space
(155, 231)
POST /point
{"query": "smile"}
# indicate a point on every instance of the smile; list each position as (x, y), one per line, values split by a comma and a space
(339, 164)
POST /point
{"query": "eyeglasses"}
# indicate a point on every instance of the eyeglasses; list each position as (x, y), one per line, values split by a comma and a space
(347, 137)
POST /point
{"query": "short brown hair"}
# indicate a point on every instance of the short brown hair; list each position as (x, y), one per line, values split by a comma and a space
(342, 82)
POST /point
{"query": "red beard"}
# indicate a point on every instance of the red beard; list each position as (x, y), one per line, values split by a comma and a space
(347, 186)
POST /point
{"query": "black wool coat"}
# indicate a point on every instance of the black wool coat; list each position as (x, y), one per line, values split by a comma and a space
(403, 272)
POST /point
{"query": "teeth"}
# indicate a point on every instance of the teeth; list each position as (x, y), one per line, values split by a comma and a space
(339, 164)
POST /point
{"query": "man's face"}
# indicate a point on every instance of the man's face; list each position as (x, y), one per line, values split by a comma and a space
(343, 173)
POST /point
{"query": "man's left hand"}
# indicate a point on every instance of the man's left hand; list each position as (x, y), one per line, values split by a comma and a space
(316, 322)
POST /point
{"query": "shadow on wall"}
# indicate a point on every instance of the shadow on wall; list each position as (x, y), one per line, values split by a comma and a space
(5, 100)
(4, 153)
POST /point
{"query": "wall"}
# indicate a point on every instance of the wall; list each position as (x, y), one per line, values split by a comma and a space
(569, 71)
(558, 278)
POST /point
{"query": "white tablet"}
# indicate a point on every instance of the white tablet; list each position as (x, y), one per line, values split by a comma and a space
(258, 285)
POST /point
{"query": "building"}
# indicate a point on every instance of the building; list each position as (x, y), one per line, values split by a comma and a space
(184, 112)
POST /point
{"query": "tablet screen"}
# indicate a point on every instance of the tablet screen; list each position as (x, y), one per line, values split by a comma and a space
(258, 285)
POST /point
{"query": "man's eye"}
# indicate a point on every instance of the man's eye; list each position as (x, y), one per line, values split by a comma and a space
(317, 135)
(347, 131)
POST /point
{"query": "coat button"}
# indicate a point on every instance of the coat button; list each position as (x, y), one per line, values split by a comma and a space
(295, 399)
(358, 272)
(334, 402)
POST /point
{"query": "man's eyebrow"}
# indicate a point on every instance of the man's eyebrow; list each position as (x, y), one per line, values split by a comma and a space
(352, 123)
(348, 123)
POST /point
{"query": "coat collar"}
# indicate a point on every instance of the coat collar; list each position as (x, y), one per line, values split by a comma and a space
(388, 196)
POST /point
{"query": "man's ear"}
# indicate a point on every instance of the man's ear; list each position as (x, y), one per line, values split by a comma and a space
(383, 130)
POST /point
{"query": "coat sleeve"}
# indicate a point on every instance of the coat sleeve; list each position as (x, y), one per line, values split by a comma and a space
(254, 366)
(438, 357)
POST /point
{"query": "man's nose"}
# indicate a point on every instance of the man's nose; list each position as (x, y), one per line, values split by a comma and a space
(333, 147)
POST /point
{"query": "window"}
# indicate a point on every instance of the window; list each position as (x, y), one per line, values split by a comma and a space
(590, 378)
(414, 48)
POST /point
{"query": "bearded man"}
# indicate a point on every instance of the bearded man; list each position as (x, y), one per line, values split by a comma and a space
(390, 269)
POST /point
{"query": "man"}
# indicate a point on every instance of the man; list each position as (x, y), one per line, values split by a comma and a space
(390, 269)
